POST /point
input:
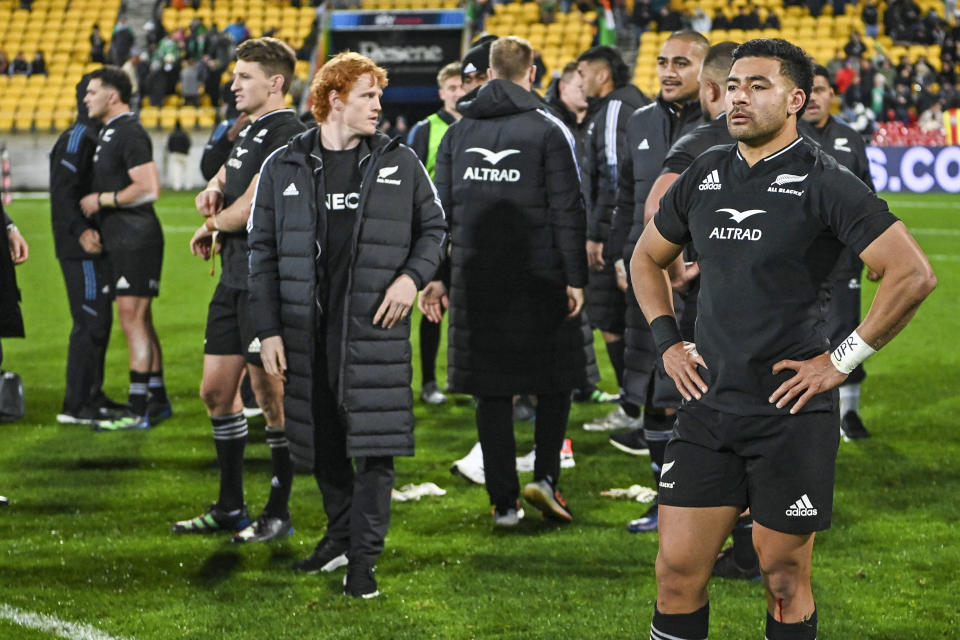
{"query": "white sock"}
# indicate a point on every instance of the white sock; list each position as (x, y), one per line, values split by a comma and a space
(849, 399)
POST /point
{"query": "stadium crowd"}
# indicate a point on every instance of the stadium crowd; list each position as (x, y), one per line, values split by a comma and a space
(564, 215)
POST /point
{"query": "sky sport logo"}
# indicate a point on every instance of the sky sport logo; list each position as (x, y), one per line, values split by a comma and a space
(802, 507)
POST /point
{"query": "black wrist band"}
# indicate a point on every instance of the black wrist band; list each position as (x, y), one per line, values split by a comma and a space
(665, 332)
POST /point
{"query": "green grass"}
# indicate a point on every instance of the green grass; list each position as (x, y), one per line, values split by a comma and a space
(87, 536)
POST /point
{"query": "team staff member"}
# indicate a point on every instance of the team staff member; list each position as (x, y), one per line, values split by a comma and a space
(86, 271)
(650, 132)
(125, 185)
(261, 79)
(759, 428)
(843, 143)
(425, 139)
(606, 81)
(346, 228)
(508, 175)
(13, 251)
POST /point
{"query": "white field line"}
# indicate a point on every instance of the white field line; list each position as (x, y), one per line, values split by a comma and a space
(940, 256)
(896, 203)
(54, 625)
(936, 232)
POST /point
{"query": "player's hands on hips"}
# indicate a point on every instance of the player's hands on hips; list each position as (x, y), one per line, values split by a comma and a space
(90, 241)
(201, 244)
(274, 357)
(19, 250)
(209, 202)
(433, 300)
(574, 301)
(680, 281)
(90, 204)
(680, 362)
(595, 255)
(397, 302)
(814, 376)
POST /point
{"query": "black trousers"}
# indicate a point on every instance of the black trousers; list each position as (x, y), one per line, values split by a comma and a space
(355, 499)
(90, 297)
(495, 429)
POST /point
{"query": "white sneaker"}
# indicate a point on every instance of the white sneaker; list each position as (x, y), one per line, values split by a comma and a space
(470, 467)
(526, 462)
(431, 394)
(616, 419)
(510, 518)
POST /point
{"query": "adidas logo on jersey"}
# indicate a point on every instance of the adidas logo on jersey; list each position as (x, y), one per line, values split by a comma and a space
(291, 190)
(643, 146)
(123, 283)
(254, 346)
(801, 508)
(711, 182)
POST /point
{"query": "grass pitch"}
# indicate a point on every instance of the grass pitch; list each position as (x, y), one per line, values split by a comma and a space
(87, 537)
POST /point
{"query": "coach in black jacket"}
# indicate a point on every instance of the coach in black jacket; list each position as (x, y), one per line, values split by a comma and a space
(346, 227)
(507, 174)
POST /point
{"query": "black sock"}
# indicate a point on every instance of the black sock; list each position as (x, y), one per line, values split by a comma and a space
(278, 504)
(615, 352)
(743, 552)
(138, 392)
(682, 626)
(630, 409)
(429, 346)
(805, 630)
(158, 391)
(230, 438)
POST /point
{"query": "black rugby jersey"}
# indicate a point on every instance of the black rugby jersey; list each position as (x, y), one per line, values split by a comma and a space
(685, 150)
(254, 143)
(843, 143)
(766, 237)
(122, 145)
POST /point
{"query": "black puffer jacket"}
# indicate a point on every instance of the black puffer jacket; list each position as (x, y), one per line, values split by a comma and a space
(11, 321)
(508, 179)
(605, 151)
(400, 228)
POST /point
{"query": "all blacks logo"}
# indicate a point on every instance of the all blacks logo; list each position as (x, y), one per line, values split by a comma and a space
(380, 54)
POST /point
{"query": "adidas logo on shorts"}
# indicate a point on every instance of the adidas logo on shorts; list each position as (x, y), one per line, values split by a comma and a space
(711, 182)
(802, 507)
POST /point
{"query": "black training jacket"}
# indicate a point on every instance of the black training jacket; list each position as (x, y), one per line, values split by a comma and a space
(71, 170)
(400, 229)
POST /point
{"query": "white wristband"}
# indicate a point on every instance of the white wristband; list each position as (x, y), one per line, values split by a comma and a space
(851, 353)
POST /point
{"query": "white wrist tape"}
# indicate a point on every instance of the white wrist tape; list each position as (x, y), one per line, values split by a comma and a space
(851, 353)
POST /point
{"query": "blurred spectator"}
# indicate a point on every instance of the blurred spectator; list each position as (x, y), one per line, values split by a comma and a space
(4, 63)
(871, 18)
(720, 20)
(857, 93)
(923, 73)
(190, 83)
(97, 45)
(745, 19)
(668, 20)
(855, 48)
(195, 40)
(888, 72)
(38, 66)
(477, 12)
(209, 72)
(641, 17)
(548, 11)
(178, 155)
(156, 85)
(882, 99)
(237, 31)
(932, 118)
(19, 66)
(121, 42)
(846, 76)
(836, 63)
(772, 21)
(701, 22)
(130, 67)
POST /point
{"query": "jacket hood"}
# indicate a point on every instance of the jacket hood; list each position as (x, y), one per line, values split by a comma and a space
(499, 98)
(304, 144)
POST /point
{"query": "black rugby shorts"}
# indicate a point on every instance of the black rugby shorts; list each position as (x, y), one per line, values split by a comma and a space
(228, 330)
(137, 273)
(782, 467)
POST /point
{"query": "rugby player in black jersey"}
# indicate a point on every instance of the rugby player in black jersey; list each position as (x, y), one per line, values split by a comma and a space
(843, 143)
(261, 78)
(759, 426)
(125, 185)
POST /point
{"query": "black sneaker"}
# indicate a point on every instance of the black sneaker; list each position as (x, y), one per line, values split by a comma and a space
(327, 556)
(102, 402)
(545, 497)
(84, 415)
(159, 411)
(852, 427)
(647, 522)
(524, 410)
(726, 567)
(214, 520)
(359, 582)
(631, 442)
(264, 529)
